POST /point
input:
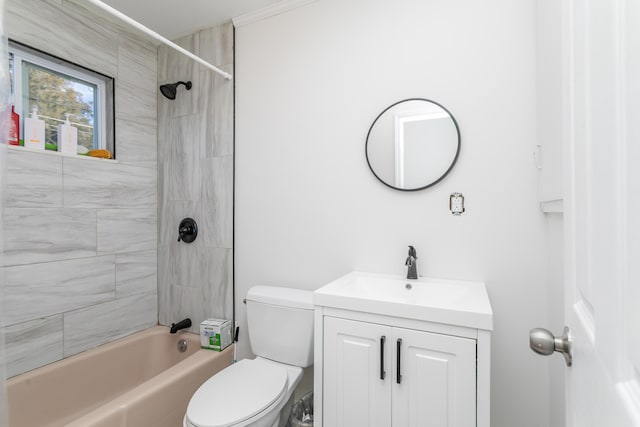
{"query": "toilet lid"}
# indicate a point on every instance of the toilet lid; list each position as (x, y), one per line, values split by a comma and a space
(237, 393)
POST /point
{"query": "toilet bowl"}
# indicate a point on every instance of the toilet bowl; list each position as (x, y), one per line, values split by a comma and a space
(253, 392)
(248, 393)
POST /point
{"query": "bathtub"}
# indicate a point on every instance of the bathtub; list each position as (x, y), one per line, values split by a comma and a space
(141, 380)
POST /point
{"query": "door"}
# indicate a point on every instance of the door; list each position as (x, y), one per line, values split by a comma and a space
(437, 383)
(356, 388)
(601, 122)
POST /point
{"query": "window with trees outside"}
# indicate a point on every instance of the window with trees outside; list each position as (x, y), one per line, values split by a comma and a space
(60, 89)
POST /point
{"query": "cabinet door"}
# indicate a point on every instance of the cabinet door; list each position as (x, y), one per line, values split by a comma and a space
(437, 387)
(353, 393)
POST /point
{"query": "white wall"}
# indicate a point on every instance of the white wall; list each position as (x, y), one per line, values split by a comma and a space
(308, 85)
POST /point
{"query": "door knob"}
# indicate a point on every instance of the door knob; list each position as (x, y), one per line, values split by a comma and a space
(543, 342)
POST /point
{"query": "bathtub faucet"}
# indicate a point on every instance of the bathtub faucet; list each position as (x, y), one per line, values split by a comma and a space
(183, 324)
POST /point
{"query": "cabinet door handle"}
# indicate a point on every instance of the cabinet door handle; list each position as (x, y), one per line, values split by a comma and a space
(398, 347)
(382, 372)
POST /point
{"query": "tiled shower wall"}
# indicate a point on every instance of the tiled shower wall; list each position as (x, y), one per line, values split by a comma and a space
(4, 100)
(195, 170)
(80, 235)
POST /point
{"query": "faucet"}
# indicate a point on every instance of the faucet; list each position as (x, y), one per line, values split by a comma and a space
(412, 270)
(183, 324)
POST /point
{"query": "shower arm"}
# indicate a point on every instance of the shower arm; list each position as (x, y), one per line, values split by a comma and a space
(157, 36)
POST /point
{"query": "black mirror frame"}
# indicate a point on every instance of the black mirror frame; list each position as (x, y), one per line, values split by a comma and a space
(455, 159)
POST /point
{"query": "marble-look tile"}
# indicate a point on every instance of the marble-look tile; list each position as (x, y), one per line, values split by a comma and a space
(95, 16)
(77, 38)
(163, 201)
(196, 280)
(32, 344)
(216, 45)
(164, 129)
(164, 285)
(93, 326)
(33, 180)
(217, 201)
(89, 184)
(137, 143)
(216, 272)
(41, 290)
(181, 68)
(53, 288)
(163, 64)
(188, 302)
(223, 114)
(209, 290)
(217, 178)
(138, 63)
(41, 235)
(126, 230)
(185, 265)
(216, 134)
(182, 178)
(134, 102)
(170, 216)
(183, 170)
(136, 273)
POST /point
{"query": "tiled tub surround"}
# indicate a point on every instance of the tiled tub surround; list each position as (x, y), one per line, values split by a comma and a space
(4, 83)
(80, 235)
(195, 169)
(143, 381)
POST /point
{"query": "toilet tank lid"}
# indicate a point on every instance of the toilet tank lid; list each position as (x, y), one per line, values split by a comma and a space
(286, 297)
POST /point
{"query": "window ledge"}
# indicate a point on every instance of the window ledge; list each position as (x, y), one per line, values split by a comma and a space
(56, 153)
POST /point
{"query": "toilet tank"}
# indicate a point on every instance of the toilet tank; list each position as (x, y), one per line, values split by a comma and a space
(280, 323)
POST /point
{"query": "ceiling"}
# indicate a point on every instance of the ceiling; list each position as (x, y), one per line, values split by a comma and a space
(175, 18)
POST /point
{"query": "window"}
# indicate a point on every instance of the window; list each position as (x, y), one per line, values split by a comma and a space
(57, 88)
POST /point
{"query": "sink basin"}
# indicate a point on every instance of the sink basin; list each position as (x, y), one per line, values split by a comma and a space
(453, 302)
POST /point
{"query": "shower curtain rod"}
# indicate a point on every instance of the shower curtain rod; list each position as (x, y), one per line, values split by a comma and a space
(157, 36)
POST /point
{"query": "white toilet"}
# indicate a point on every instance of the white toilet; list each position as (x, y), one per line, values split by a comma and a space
(253, 392)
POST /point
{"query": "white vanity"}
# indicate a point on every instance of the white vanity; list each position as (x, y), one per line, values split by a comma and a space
(396, 352)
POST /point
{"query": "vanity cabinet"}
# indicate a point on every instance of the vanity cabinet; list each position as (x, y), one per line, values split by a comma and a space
(400, 353)
(380, 375)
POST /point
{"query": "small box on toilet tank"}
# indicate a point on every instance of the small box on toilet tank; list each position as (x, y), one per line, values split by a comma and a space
(215, 334)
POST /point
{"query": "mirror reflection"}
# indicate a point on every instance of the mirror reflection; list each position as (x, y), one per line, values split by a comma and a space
(412, 144)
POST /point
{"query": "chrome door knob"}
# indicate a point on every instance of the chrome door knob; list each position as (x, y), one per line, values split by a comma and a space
(543, 342)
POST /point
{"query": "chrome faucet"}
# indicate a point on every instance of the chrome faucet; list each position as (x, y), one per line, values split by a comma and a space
(412, 269)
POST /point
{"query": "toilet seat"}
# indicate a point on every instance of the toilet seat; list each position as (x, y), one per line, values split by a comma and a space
(237, 393)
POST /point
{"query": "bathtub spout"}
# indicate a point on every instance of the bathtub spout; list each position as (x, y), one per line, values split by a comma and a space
(183, 324)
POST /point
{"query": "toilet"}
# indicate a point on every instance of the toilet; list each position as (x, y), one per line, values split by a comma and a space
(253, 392)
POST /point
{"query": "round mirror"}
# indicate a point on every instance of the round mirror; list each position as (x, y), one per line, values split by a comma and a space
(412, 144)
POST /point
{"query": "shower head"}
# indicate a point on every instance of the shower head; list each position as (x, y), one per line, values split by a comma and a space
(169, 89)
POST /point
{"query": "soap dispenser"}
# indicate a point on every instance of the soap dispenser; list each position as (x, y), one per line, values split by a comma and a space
(34, 130)
(67, 137)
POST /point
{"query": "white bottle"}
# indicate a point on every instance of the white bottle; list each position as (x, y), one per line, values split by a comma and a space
(34, 130)
(67, 137)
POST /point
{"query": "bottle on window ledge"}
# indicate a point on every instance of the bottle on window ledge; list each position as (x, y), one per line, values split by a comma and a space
(67, 137)
(34, 130)
(14, 127)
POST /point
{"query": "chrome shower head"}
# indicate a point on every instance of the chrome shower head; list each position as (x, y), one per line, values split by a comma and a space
(169, 89)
